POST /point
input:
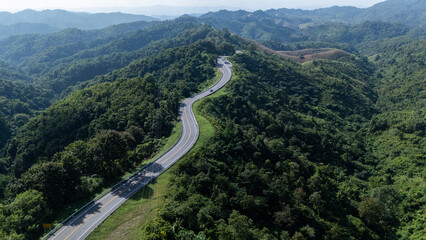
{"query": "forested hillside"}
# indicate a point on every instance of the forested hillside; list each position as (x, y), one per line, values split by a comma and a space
(309, 149)
(25, 28)
(319, 151)
(16, 48)
(54, 20)
(65, 59)
(63, 62)
(19, 102)
(347, 26)
(92, 137)
(397, 133)
(407, 12)
(287, 147)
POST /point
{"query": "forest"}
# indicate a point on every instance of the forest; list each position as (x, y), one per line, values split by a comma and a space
(327, 149)
(296, 127)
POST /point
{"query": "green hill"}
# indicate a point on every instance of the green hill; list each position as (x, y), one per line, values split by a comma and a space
(95, 135)
(320, 149)
(327, 150)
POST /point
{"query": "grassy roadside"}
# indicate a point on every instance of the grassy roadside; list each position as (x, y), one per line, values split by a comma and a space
(171, 140)
(207, 84)
(129, 220)
(174, 137)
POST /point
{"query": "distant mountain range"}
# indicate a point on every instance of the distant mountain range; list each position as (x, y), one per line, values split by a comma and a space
(48, 21)
(26, 28)
(408, 12)
(65, 19)
(353, 25)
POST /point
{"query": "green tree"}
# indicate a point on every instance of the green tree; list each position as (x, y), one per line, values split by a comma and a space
(238, 227)
(25, 214)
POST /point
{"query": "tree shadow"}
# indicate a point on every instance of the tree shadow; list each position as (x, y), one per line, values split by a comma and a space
(90, 210)
(136, 188)
(139, 181)
(155, 168)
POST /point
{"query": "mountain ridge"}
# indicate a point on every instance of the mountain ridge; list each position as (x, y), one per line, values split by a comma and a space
(56, 20)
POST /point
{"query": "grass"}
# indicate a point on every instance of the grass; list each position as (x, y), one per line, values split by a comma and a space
(105, 229)
(70, 209)
(207, 84)
(128, 221)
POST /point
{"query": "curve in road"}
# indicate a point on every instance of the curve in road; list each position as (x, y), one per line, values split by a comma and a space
(80, 226)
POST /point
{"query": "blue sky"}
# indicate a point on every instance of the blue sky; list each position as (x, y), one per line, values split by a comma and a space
(134, 5)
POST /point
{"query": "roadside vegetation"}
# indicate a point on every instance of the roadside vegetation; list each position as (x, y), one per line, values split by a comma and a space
(330, 148)
(324, 168)
(90, 139)
(129, 220)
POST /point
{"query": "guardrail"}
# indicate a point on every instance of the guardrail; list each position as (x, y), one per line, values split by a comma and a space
(108, 190)
(119, 183)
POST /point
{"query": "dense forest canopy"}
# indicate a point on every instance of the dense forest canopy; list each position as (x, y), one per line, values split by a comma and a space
(288, 142)
(93, 136)
(325, 149)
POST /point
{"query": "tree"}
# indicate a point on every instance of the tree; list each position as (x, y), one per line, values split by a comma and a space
(371, 210)
(4, 130)
(25, 213)
(53, 181)
(238, 227)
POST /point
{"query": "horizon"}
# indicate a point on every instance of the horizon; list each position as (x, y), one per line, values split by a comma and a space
(169, 8)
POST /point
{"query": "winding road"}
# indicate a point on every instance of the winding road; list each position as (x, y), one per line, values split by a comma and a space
(80, 226)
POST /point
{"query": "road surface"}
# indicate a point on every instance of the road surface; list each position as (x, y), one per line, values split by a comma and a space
(80, 226)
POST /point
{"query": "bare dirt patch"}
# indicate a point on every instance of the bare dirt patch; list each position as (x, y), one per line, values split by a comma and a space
(305, 55)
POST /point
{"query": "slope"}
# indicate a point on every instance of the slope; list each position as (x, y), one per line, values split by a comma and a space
(64, 19)
(327, 150)
(288, 141)
(69, 144)
(397, 134)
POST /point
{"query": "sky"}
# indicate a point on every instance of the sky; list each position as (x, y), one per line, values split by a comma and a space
(137, 6)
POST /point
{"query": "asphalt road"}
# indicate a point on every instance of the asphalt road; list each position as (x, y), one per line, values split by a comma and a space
(84, 223)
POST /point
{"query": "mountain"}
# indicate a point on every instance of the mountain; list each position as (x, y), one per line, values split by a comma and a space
(26, 28)
(346, 28)
(410, 13)
(255, 25)
(15, 48)
(261, 26)
(332, 14)
(75, 56)
(62, 19)
(86, 123)
(321, 135)
(332, 150)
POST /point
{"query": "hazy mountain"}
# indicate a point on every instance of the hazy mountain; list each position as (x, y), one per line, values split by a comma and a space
(26, 28)
(162, 11)
(408, 12)
(15, 48)
(339, 14)
(65, 19)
